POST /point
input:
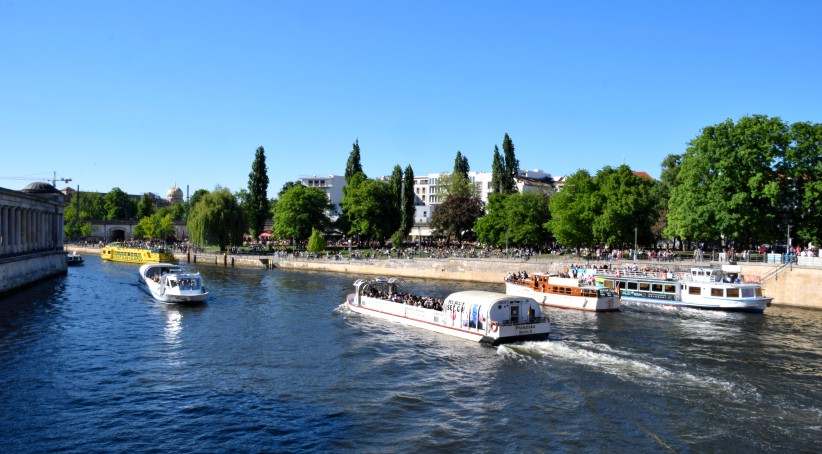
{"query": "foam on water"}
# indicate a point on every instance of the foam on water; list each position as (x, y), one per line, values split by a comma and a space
(620, 363)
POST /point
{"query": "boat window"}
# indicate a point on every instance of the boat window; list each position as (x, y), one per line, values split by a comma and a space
(622, 284)
(747, 292)
(644, 286)
(656, 287)
(732, 293)
(759, 291)
(716, 292)
(631, 285)
(609, 284)
(694, 290)
(670, 289)
(514, 313)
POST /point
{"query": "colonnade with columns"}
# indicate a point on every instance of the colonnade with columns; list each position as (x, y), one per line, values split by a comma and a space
(30, 227)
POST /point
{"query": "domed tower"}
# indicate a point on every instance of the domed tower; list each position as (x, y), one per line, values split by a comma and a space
(43, 190)
(174, 195)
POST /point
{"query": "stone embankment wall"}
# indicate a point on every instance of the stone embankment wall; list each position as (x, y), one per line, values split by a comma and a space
(20, 271)
(789, 285)
(792, 286)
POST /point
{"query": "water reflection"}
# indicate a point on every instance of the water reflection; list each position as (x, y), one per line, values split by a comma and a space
(174, 325)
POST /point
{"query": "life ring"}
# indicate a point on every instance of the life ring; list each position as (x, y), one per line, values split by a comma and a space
(494, 327)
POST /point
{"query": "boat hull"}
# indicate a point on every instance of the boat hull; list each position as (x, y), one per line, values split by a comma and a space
(433, 320)
(583, 303)
(754, 305)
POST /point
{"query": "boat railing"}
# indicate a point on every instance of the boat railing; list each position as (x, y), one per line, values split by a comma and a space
(622, 274)
(523, 322)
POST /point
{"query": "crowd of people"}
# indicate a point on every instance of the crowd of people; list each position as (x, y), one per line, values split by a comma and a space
(427, 302)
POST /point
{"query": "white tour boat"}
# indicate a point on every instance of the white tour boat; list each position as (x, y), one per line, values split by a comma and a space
(701, 288)
(486, 317)
(168, 283)
(564, 292)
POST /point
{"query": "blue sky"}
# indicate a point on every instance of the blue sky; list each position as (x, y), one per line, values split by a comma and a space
(145, 94)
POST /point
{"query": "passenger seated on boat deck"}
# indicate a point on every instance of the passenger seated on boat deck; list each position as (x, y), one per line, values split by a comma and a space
(426, 302)
(520, 276)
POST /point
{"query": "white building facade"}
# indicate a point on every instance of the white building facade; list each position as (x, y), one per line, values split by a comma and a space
(430, 190)
(332, 185)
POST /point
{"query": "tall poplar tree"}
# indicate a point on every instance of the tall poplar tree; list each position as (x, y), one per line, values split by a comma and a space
(353, 166)
(395, 181)
(461, 165)
(511, 164)
(258, 208)
(497, 172)
(408, 205)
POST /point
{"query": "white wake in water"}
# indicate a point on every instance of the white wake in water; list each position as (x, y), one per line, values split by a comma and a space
(622, 364)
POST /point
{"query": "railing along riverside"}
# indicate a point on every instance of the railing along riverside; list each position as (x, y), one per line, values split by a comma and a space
(775, 272)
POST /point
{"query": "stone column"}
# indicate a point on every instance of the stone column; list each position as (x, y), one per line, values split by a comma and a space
(41, 230)
(3, 234)
(60, 231)
(18, 230)
(49, 237)
(26, 244)
(35, 229)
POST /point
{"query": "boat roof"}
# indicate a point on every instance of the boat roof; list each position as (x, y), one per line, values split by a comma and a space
(482, 296)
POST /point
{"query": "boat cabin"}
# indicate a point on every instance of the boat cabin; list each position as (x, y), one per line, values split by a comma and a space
(478, 308)
(564, 286)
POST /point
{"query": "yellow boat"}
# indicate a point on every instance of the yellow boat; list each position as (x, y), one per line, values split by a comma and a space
(120, 253)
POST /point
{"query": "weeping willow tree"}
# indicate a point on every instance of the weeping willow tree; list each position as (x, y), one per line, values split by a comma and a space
(216, 219)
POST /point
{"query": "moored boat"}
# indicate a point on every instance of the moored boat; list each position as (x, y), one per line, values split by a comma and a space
(73, 259)
(701, 288)
(168, 283)
(563, 292)
(118, 253)
(486, 317)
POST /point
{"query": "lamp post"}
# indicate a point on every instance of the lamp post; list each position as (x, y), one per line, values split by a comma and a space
(635, 242)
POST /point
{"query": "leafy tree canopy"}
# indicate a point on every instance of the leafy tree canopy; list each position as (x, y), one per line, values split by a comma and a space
(216, 219)
(370, 208)
(298, 210)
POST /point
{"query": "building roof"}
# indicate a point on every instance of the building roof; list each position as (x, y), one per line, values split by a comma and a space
(644, 175)
(39, 187)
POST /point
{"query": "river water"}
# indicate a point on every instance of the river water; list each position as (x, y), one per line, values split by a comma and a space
(272, 363)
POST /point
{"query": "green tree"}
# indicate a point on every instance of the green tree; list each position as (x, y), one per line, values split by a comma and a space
(353, 166)
(370, 208)
(515, 220)
(461, 166)
(511, 166)
(145, 207)
(198, 194)
(81, 208)
(492, 227)
(624, 202)
(216, 219)
(662, 191)
(119, 205)
(286, 186)
(497, 172)
(298, 210)
(408, 201)
(257, 202)
(159, 225)
(726, 185)
(800, 174)
(395, 182)
(456, 215)
(316, 242)
(573, 211)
